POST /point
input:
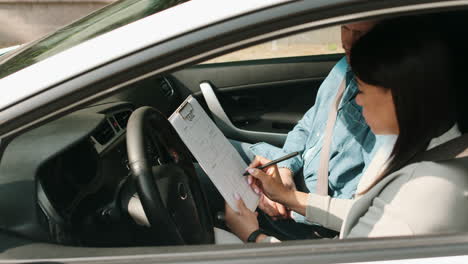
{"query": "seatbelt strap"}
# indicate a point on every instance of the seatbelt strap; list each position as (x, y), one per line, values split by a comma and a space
(322, 180)
(452, 149)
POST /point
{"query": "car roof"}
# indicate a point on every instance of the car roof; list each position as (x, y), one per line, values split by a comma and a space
(130, 38)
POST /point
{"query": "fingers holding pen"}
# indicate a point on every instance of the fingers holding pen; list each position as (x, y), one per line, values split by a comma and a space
(271, 208)
(257, 180)
(259, 161)
(260, 182)
(262, 162)
(254, 184)
(269, 183)
(264, 177)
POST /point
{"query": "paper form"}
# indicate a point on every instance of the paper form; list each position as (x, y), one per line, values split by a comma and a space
(215, 154)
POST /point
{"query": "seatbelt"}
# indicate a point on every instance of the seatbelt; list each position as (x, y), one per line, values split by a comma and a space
(322, 180)
(452, 149)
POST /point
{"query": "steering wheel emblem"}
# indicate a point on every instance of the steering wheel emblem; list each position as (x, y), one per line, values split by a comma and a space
(182, 191)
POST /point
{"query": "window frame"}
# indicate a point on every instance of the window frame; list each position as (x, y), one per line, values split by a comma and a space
(94, 85)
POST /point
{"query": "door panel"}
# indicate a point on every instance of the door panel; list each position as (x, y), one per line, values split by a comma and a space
(263, 99)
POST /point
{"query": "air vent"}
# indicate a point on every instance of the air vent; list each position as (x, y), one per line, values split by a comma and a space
(122, 118)
(166, 87)
(104, 133)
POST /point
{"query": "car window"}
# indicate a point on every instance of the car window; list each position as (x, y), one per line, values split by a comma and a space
(315, 42)
(110, 17)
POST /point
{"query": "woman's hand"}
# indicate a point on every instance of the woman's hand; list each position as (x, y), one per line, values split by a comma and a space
(268, 181)
(241, 223)
(273, 209)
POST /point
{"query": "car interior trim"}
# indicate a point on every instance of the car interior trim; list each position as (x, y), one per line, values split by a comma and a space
(264, 84)
(223, 122)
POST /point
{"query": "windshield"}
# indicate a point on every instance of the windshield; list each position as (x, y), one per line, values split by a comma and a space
(104, 20)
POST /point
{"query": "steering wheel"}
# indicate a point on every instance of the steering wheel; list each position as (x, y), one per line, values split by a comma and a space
(166, 181)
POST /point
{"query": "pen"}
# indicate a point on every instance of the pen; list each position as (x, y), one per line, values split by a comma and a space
(273, 162)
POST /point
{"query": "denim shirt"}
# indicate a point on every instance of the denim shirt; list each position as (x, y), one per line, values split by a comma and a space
(352, 143)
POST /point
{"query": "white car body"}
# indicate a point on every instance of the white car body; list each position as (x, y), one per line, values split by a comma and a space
(124, 40)
(22, 90)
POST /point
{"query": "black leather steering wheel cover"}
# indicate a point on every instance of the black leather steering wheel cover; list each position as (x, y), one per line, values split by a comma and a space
(146, 120)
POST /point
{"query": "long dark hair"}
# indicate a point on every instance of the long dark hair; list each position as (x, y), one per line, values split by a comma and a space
(410, 57)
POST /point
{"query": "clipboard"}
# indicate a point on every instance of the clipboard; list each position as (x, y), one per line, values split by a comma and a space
(213, 151)
(185, 110)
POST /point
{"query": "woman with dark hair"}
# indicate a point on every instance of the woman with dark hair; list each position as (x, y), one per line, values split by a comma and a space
(405, 76)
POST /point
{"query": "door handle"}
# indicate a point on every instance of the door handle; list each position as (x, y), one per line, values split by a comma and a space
(224, 123)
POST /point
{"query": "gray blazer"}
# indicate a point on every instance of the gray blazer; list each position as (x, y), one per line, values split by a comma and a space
(425, 197)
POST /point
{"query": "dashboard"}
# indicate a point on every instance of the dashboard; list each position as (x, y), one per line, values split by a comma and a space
(79, 184)
(77, 165)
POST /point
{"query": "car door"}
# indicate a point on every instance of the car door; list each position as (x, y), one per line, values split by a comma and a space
(17, 249)
(260, 93)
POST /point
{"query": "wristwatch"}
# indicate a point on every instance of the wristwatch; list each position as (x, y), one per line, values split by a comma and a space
(253, 236)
